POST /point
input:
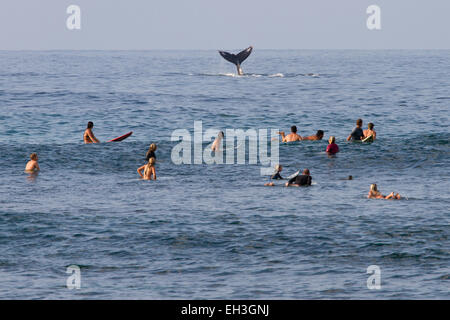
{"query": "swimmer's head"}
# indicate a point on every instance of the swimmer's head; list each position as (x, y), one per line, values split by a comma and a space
(306, 172)
(370, 125)
(294, 129)
(151, 161)
(373, 187)
(152, 147)
(332, 139)
(34, 156)
(359, 122)
(350, 177)
(221, 134)
(278, 168)
(90, 125)
(319, 134)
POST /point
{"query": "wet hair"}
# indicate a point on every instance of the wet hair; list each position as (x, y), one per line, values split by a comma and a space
(306, 171)
(359, 122)
(294, 129)
(373, 188)
(33, 156)
(332, 139)
(370, 125)
(350, 177)
(221, 134)
(90, 125)
(152, 147)
(278, 167)
(319, 133)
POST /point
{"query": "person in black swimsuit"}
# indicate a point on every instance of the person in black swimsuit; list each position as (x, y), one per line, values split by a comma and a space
(151, 152)
(357, 133)
(300, 180)
(275, 176)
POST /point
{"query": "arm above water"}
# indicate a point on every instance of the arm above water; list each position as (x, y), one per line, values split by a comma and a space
(140, 169)
(283, 136)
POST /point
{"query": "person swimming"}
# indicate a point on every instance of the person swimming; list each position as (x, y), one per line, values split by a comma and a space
(32, 165)
(275, 176)
(375, 194)
(369, 132)
(317, 136)
(293, 136)
(151, 152)
(149, 170)
(301, 180)
(217, 142)
(88, 135)
(357, 133)
(332, 148)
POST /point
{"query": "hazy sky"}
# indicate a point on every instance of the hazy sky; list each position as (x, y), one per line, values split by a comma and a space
(224, 24)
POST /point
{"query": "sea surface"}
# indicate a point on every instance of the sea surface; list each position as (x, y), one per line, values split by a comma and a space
(205, 231)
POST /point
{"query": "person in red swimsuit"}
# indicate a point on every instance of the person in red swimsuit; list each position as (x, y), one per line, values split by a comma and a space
(332, 148)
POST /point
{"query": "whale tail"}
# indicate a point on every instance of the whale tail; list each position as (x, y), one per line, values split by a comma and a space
(237, 59)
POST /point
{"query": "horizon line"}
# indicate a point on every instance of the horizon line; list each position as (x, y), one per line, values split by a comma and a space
(267, 49)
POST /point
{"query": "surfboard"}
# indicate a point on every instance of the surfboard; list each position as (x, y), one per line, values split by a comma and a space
(293, 175)
(368, 139)
(121, 137)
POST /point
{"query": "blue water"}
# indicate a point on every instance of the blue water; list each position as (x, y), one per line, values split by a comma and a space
(214, 231)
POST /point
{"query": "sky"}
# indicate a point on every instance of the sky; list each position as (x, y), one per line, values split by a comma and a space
(224, 24)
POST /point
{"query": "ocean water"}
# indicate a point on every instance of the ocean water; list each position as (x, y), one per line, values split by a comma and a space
(214, 231)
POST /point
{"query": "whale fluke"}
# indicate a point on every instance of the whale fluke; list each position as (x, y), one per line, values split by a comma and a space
(237, 59)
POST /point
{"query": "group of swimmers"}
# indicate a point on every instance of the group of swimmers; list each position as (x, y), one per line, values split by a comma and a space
(358, 134)
(148, 172)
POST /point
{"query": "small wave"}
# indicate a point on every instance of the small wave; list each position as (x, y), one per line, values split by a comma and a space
(234, 75)
(279, 75)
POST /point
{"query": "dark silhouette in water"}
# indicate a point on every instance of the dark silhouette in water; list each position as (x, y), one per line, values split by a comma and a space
(237, 59)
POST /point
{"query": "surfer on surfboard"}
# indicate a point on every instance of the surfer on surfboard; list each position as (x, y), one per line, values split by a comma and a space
(88, 135)
(357, 133)
(301, 180)
(275, 176)
(375, 194)
(369, 134)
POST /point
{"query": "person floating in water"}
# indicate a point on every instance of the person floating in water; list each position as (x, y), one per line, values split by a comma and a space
(375, 194)
(332, 148)
(149, 170)
(357, 133)
(32, 165)
(317, 136)
(275, 176)
(301, 180)
(369, 133)
(88, 136)
(217, 142)
(151, 152)
(293, 136)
